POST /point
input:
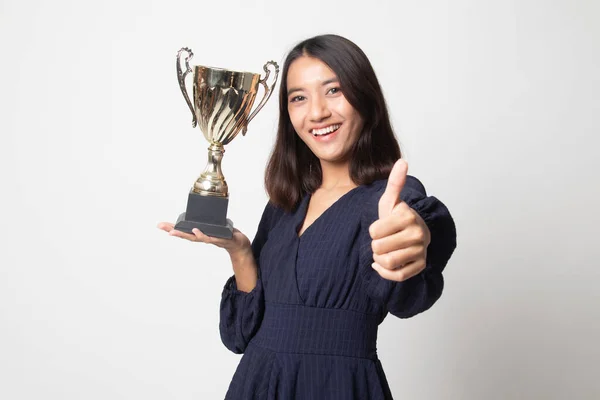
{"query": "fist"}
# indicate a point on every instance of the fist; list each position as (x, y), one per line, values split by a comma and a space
(400, 236)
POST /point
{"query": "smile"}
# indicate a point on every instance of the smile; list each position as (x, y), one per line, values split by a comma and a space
(325, 131)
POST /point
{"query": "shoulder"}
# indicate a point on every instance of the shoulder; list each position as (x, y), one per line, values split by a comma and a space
(271, 214)
(413, 183)
(412, 186)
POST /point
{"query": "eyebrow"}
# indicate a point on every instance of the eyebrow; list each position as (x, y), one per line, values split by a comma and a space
(326, 82)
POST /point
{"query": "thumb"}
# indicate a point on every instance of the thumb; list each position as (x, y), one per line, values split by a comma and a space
(395, 183)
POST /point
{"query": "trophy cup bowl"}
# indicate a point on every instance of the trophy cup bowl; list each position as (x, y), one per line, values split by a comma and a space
(221, 107)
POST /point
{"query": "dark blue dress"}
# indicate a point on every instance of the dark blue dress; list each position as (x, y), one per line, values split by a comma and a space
(308, 330)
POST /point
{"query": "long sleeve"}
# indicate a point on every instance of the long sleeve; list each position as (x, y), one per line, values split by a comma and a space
(419, 293)
(240, 312)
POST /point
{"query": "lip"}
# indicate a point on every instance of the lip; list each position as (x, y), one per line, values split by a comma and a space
(324, 126)
(325, 138)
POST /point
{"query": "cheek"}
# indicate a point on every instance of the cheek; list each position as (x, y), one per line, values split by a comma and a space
(357, 127)
(357, 121)
(348, 112)
(296, 119)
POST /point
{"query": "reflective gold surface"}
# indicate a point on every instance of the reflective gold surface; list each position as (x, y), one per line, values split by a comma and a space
(222, 101)
(212, 182)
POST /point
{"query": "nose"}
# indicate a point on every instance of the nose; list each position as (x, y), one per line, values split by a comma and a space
(319, 109)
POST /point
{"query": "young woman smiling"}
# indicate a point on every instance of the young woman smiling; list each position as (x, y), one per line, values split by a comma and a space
(346, 238)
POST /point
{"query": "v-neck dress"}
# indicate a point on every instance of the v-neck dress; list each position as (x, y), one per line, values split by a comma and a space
(308, 330)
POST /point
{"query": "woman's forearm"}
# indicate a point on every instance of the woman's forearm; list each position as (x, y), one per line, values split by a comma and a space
(245, 270)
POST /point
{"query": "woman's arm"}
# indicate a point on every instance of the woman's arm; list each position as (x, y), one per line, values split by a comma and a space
(245, 269)
(411, 296)
(242, 299)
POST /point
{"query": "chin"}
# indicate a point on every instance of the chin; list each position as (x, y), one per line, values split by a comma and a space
(332, 159)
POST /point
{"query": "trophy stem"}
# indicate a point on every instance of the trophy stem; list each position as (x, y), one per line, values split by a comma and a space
(212, 182)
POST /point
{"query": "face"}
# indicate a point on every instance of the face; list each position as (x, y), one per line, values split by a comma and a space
(319, 112)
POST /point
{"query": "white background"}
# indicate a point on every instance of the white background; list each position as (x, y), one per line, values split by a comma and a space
(495, 104)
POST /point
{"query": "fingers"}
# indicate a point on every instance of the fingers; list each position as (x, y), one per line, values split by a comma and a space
(398, 258)
(189, 236)
(395, 183)
(165, 226)
(390, 224)
(399, 240)
(196, 235)
(201, 237)
(400, 274)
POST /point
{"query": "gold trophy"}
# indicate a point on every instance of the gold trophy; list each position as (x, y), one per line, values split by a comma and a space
(222, 103)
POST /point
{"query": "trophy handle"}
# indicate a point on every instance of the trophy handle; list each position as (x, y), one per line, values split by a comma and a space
(181, 78)
(268, 91)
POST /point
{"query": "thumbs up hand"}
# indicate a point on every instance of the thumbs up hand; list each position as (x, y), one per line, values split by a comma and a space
(400, 236)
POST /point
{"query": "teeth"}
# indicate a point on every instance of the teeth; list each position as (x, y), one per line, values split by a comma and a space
(324, 131)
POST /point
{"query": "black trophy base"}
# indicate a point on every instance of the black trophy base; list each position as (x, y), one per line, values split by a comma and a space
(207, 213)
(220, 231)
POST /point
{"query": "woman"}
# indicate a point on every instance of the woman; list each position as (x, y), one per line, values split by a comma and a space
(347, 237)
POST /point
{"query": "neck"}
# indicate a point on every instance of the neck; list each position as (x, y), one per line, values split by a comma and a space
(336, 175)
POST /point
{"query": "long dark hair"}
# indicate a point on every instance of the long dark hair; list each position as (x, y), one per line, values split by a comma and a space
(293, 170)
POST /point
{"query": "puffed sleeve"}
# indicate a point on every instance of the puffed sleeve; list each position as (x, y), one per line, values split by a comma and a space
(419, 293)
(240, 312)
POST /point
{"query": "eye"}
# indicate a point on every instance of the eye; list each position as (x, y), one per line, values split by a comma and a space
(296, 99)
(334, 90)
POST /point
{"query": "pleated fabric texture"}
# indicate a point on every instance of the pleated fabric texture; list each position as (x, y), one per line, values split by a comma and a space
(308, 330)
